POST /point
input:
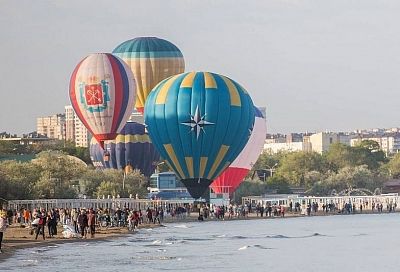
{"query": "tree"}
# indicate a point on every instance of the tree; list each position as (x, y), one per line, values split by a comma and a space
(248, 188)
(59, 170)
(18, 179)
(295, 166)
(393, 166)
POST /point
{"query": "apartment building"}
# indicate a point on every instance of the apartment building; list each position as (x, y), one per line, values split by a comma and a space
(52, 127)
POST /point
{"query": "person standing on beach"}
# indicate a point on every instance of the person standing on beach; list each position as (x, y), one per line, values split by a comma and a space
(83, 223)
(74, 218)
(3, 226)
(91, 222)
(41, 224)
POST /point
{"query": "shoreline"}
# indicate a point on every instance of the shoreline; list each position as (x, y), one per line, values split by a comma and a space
(17, 237)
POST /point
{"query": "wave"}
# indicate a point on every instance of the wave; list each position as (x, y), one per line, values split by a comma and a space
(262, 247)
(120, 245)
(239, 237)
(280, 236)
(243, 247)
(183, 226)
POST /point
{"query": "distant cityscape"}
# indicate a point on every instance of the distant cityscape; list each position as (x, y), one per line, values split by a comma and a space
(67, 126)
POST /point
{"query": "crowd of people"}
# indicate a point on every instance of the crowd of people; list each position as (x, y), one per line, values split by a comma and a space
(83, 222)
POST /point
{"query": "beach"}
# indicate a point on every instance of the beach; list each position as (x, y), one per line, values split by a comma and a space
(18, 237)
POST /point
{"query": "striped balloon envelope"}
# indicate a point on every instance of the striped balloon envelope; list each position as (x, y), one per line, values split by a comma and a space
(102, 92)
(231, 178)
(151, 60)
(131, 149)
(199, 122)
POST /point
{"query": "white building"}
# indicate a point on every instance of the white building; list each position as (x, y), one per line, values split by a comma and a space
(51, 126)
(75, 130)
(320, 142)
(389, 144)
(274, 148)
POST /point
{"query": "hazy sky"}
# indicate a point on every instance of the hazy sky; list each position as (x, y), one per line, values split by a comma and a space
(315, 64)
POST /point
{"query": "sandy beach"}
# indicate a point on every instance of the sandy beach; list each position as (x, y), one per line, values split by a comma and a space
(18, 237)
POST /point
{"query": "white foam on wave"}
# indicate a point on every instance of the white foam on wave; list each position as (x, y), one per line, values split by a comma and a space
(181, 226)
(30, 261)
(156, 242)
(243, 247)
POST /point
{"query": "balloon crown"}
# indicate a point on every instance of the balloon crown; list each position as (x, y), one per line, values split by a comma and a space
(93, 79)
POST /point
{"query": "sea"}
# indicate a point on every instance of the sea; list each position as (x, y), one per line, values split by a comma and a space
(317, 243)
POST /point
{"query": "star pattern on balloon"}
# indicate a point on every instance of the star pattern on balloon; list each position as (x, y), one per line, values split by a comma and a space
(197, 122)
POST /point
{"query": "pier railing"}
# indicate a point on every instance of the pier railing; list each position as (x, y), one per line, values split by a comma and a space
(113, 203)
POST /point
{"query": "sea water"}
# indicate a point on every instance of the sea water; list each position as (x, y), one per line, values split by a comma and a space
(316, 243)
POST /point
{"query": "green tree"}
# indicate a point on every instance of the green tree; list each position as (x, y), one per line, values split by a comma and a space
(295, 166)
(249, 188)
(18, 179)
(59, 171)
(393, 166)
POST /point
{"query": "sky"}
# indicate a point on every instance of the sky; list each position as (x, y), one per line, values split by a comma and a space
(316, 65)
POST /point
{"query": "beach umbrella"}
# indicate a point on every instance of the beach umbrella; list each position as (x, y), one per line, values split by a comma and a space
(199, 122)
(102, 93)
(231, 178)
(151, 60)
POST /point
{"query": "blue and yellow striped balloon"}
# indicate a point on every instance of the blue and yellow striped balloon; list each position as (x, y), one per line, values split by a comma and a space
(199, 122)
(131, 149)
(151, 60)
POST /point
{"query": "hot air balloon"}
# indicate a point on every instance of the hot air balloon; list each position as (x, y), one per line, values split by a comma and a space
(231, 178)
(131, 148)
(102, 93)
(199, 122)
(151, 60)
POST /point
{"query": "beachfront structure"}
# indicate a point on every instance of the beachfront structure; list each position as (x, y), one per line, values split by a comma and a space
(166, 186)
(106, 203)
(52, 127)
(75, 130)
(338, 201)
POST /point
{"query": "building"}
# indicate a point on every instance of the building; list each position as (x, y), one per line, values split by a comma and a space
(74, 129)
(320, 142)
(274, 148)
(166, 186)
(52, 127)
(69, 123)
(389, 143)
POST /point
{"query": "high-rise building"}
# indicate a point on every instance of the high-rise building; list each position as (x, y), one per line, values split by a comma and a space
(75, 130)
(69, 123)
(51, 126)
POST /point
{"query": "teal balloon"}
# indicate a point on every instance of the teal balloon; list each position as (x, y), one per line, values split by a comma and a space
(199, 122)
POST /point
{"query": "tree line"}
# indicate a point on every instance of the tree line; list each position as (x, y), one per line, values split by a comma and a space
(339, 169)
(54, 174)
